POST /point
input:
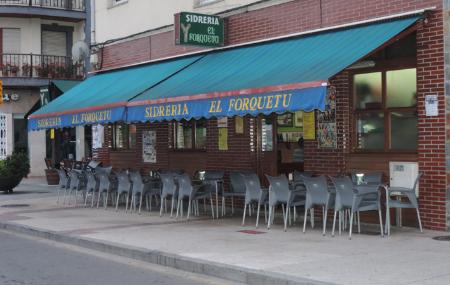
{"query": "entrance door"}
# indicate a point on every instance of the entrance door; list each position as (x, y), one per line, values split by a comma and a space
(266, 151)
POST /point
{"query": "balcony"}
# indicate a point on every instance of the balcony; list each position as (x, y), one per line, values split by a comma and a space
(20, 68)
(59, 9)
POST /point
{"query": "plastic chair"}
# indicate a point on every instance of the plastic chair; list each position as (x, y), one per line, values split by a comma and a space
(92, 186)
(106, 186)
(317, 194)
(187, 190)
(280, 194)
(212, 182)
(169, 189)
(358, 202)
(142, 189)
(399, 193)
(237, 189)
(63, 183)
(76, 184)
(254, 193)
(123, 188)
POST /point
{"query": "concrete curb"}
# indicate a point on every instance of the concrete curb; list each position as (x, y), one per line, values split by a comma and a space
(219, 270)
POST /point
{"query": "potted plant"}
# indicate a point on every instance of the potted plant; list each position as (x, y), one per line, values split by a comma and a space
(12, 170)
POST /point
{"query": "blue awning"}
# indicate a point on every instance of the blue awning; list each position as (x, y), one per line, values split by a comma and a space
(277, 76)
(102, 98)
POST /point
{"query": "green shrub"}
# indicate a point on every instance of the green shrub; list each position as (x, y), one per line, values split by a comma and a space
(16, 164)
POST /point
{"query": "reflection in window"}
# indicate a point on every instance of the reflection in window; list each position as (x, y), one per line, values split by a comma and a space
(190, 134)
(123, 136)
(370, 132)
(367, 90)
(403, 131)
(267, 134)
(401, 88)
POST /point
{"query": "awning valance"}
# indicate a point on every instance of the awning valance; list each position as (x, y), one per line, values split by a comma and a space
(102, 98)
(278, 76)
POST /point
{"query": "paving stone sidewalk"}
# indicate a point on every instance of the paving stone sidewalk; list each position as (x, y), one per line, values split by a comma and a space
(224, 247)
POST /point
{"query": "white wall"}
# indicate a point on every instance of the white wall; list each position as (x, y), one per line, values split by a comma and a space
(30, 31)
(134, 16)
(36, 147)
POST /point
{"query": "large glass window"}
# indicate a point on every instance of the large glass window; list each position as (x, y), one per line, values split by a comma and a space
(385, 110)
(190, 135)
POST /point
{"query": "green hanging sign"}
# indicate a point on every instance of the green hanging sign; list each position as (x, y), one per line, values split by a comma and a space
(199, 29)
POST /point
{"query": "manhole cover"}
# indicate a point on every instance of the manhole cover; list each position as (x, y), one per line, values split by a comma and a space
(442, 238)
(15, 205)
(251, 232)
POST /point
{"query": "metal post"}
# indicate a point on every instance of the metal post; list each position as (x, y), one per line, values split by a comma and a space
(31, 65)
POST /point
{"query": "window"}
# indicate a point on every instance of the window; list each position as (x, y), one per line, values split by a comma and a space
(190, 135)
(123, 136)
(385, 110)
(199, 3)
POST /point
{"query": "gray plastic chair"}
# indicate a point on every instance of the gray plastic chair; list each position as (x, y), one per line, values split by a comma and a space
(63, 184)
(75, 184)
(142, 189)
(106, 185)
(280, 194)
(400, 192)
(169, 189)
(213, 182)
(237, 189)
(357, 202)
(317, 194)
(254, 193)
(123, 188)
(92, 186)
(344, 188)
(192, 193)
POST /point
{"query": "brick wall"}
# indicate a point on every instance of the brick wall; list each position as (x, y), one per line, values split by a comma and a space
(300, 16)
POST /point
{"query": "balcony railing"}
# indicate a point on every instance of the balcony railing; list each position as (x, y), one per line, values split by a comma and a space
(76, 5)
(40, 66)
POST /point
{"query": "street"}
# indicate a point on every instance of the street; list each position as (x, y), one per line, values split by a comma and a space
(32, 261)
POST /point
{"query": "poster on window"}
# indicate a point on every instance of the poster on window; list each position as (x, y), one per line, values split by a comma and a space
(149, 146)
(97, 136)
(326, 122)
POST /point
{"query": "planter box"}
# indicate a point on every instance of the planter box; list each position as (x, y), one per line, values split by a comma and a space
(52, 176)
(7, 184)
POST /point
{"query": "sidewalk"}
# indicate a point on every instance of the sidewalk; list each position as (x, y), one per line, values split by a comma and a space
(219, 248)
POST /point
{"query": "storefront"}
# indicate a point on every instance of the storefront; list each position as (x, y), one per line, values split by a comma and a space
(330, 101)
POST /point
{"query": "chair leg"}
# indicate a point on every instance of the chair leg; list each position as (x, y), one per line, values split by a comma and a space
(189, 209)
(418, 218)
(243, 216)
(106, 200)
(257, 214)
(381, 221)
(161, 208)
(350, 226)
(223, 206)
(341, 221)
(285, 217)
(178, 209)
(265, 213)
(117, 202)
(359, 222)
(290, 216)
(304, 220)
(126, 202)
(232, 205)
(65, 191)
(140, 202)
(325, 210)
(312, 217)
(171, 208)
(268, 220)
(212, 207)
(334, 223)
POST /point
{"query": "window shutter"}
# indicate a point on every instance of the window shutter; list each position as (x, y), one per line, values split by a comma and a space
(11, 41)
(54, 43)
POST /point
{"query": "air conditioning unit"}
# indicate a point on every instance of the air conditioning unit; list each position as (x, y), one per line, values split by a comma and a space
(404, 174)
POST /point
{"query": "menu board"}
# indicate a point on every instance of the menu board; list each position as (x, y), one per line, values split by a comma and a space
(97, 136)
(149, 146)
(326, 122)
(223, 138)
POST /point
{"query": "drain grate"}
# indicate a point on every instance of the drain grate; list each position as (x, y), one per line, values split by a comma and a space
(251, 232)
(15, 205)
(442, 238)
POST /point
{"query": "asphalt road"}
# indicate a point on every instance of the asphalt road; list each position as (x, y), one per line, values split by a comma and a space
(32, 261)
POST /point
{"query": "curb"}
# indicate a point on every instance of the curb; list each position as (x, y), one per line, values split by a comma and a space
(214, 269)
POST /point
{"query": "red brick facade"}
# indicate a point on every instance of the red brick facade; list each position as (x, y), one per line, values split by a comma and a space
(297, 16)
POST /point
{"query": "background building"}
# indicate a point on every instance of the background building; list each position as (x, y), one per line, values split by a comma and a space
(36, 39)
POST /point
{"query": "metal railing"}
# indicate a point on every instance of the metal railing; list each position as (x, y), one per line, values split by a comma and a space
(40, 66)
(76, 5)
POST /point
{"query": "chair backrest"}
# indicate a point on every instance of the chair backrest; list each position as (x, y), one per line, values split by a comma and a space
(92, 182)
(168, 184)
(210, 179)
(316, 189)
(63, 179)
(124, 183)
(106, 170)
(279, 188)
(252, 186)
(75, 182)
(344, 191)
(105, 182)
(237, 183)
(184, 185)
(417, 181)
(136, 179)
